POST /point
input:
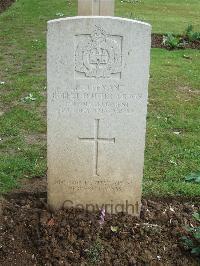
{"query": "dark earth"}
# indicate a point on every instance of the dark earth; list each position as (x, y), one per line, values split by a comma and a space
(30, 234)
(157, 42)
(4, 4)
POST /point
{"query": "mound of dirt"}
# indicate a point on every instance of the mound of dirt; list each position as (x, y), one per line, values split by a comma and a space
(32, 235)
(4, 4)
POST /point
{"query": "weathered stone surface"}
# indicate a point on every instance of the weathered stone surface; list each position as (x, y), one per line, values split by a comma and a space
(96, 7)
(97, 72)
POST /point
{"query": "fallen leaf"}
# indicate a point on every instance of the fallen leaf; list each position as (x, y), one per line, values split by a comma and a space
(176, 132)
(51, 222)
(114, 229)
(187, 56)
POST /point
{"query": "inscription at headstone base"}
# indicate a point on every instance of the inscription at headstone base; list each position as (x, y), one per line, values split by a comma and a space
(97, 71)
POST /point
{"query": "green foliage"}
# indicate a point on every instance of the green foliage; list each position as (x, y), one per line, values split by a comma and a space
(28, 99)
(191, 35)
(192, 241)
(172, 42)
(94, 252)
(193, 177)
(196, 215)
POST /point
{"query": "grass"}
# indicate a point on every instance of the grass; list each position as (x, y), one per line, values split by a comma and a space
(172, 144)
(172, 148)
(164, 16)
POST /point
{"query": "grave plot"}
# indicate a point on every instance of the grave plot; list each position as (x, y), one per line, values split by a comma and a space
(92, 211)
(32, 235)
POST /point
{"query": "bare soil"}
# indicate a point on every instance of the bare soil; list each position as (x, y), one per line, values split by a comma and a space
(30, 234)
(157, 42)
(4, 4)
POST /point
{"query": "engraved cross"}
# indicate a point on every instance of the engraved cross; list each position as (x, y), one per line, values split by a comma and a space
(96, 139)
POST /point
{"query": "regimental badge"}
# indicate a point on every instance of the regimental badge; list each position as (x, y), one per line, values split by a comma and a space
(99, 55)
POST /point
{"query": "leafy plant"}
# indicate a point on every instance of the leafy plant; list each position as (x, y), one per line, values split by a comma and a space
(192, 241)
(191, 35)
(94, 252)
(171, 41)
(196, 215)
(193, 177)
(28, 98)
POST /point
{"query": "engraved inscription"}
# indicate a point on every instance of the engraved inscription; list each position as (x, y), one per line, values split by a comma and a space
(98, 99)
(96, 139)
(98, 55)
(96, 185)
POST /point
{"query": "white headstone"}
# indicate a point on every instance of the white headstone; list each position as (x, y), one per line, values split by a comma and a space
(96, 7)
(97, 72)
